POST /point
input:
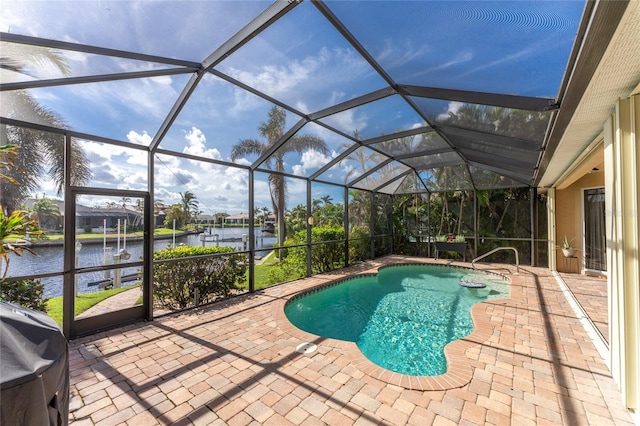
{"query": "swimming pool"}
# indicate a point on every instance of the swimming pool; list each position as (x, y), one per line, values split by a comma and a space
(403, 317)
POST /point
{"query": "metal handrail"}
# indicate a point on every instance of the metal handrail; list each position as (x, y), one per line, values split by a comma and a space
(495, 250)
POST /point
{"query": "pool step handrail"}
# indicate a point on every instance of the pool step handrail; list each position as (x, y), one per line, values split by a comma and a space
(473, 262)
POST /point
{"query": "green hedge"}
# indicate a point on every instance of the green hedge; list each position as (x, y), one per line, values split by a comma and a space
(324, 257)
(174, 283)
(27, 293)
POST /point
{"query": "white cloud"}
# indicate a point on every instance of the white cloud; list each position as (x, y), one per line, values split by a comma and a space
(197, 145)
(243, 162)
(348, 121)
(151, 98)
(139, 138)
(276, 79)
(310, 159)
(395, 54)
(452, 108)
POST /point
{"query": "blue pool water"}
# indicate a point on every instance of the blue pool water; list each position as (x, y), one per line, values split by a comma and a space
(400, 319)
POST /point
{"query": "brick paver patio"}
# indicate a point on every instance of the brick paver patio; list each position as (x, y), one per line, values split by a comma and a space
(530, 362)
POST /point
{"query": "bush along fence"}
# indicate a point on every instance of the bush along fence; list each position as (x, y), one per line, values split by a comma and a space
(201, 275)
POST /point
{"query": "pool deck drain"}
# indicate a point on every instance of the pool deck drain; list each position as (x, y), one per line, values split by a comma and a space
(306, 348)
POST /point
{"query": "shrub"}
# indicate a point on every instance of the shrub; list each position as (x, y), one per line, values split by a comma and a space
(359, 245)
(87, 229)
(324, 257)
(27, 293)
(287, 270)
(174, 283)
(328, 256)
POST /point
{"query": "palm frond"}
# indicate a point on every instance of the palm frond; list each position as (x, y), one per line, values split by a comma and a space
(303, 143)
(247, 147)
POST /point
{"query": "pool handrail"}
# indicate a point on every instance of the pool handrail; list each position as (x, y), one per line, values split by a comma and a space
(495, 250)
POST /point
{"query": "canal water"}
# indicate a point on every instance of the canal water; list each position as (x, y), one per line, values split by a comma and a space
(50, 259)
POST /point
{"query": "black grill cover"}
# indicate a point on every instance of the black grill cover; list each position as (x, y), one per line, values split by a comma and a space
(34, 368)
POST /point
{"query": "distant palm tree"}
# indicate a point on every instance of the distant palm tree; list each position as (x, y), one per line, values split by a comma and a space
(39, 153)
(189, 204)
(47, 213)
(272, 131)
(123, 202)
(326, 200)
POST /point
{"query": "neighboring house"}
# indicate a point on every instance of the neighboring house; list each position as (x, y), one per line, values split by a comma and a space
(237, 219)
(95, 216)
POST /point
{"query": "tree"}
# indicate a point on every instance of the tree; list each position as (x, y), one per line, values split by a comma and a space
(326, 200)
(359, 208)
(26, 292)
(176, 213)
(189, 204)
(273, 130)
(46, 213)
(41, 153)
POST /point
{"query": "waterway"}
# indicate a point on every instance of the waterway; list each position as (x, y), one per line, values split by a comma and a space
(51, 258)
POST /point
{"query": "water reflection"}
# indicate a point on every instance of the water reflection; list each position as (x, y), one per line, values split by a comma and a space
(50, 259)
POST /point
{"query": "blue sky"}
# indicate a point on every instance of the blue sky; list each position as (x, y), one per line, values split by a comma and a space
(510, 47)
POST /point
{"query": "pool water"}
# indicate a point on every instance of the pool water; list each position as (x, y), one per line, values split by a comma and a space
(401, 318)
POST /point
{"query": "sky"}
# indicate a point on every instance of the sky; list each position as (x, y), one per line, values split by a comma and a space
(514, 47)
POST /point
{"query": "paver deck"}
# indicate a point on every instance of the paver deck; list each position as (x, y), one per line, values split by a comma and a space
(235, 363)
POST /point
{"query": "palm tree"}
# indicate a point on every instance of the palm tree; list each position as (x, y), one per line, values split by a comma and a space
(47, 213)
(273, 130)
(189, 204)
(359, 208)
(123, 202)
(40, 153)
(326, 200)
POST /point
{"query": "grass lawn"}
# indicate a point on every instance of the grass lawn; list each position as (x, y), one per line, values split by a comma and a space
(261, 272)
(83, 302)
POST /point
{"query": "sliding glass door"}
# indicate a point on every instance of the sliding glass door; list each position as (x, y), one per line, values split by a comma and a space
(595, 256)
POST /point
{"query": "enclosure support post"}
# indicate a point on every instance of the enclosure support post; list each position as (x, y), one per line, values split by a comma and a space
(476, 222)
(551, 228)
(252, 235)
(309, 224)
(345, 222)
(429, 225)
(148, 228)
(371, 227)
(68, 296)
(533, 193)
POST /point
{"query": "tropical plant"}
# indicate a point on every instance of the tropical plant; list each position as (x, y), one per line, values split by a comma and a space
(566, 243)
(190, 205)
(27, 293)
(214, 277)
(359, 207)
(176, 213)
(8, 155)
(273, 131)
(42, 153)
(15, 225)
(46, 213)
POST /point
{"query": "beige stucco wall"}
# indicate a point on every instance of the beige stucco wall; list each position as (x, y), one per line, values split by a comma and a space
(569, 217)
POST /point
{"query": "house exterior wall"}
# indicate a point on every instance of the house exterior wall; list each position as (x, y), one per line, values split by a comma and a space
(569, 220)
(622, 203)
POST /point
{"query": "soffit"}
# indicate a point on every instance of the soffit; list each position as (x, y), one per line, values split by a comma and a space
(617, 75)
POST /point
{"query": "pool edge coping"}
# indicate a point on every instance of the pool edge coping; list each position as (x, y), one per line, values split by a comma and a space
(460, 364)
